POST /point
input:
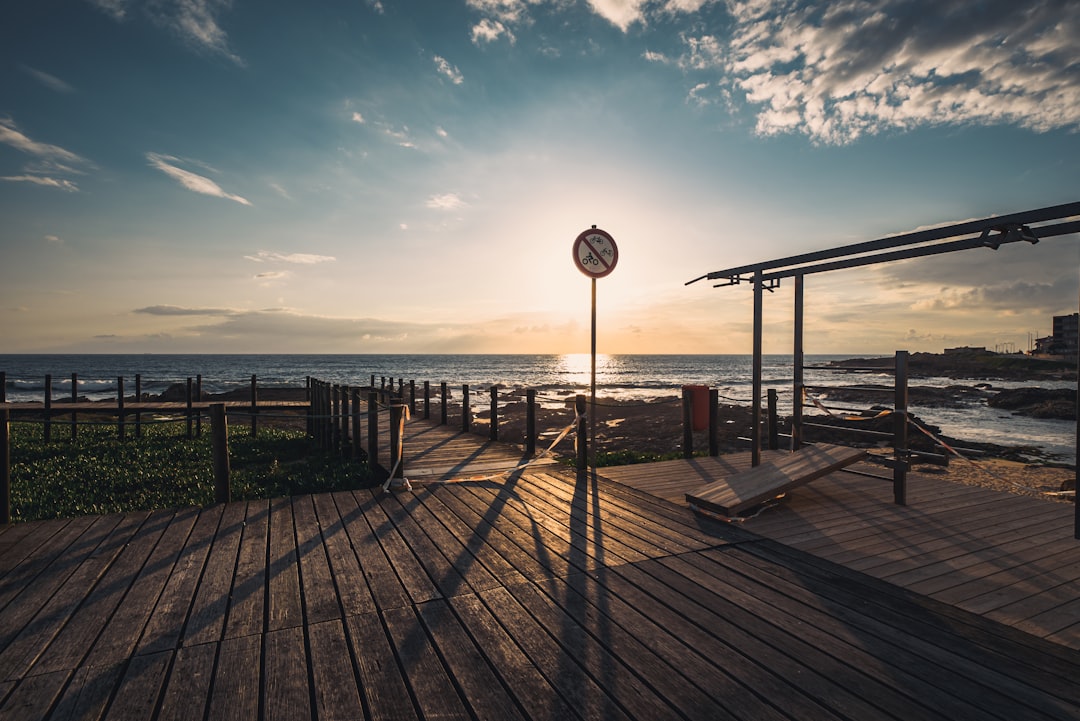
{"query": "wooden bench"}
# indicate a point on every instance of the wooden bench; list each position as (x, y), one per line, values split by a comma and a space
(732, 495)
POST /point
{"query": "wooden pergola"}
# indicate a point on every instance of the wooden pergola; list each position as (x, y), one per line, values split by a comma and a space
(1029, 226)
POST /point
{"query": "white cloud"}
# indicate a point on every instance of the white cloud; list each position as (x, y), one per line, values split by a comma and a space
(54, 240)
(10, 135)
(176, 310)
(450, 71)
(489, 30)
(620, 13)
(48, 182)
(50, 81)
(655, 57)
(441, 132)
(445, 201)
(280, 190)
(838, 71)
(267, 256)
(357, 117)
(194, 21)
(191, 181)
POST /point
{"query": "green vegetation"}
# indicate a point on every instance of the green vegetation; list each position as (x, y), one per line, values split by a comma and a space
(100, 474)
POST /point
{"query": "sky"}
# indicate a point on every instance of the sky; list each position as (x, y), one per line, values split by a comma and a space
(409, 176)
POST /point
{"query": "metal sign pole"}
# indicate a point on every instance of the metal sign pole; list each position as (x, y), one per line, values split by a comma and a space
(592, 387)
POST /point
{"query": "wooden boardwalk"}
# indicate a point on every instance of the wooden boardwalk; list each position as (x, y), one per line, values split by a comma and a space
(1008, 557)
(546, 597)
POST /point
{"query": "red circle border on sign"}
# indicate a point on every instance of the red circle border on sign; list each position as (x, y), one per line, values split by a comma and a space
(581, 239)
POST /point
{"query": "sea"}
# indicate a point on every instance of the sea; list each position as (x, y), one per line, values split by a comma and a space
(619, 379)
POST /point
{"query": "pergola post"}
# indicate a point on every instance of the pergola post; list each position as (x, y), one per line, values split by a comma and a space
(798, 361)
(755, 416)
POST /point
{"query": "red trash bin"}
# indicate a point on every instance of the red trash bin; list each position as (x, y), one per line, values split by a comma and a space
(699, 406)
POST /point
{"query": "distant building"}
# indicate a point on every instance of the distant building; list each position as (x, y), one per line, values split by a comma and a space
(1065, 339)
(966, 350)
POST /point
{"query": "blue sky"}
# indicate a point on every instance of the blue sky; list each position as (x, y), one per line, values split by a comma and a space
(406, 176)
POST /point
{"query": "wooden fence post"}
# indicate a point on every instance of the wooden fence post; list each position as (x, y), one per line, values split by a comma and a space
(138, 399)
(219, 441)
(900, 429)
(74, 400)
(466, 414)
(3, 386)
(5, 466)
(335, 418)
(310, 408)
(774, 421)
(198, 397)
(687, 423)
(412, 396)
(189, 398)
(427, 400)
(714, 422)
(120, 429)
(373, 428)
(530, 421)
(494, 425)
(254, 407)
(445, 397)
(47, 427)
(582, 434)
(356, 445)
(397, 452)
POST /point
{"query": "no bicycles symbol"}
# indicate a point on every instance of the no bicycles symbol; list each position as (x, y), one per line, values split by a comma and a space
(595, 252)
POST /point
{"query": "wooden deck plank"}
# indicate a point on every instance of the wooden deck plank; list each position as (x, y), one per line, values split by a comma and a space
(432, 688)
(33, 696)
(334, 683)
(235, 693)
(316, 583)
(407, 568)
(519, 675)
(386, 697)
(929, 672)
(49, 619)
(137, 696)
(206, 620)
(120, 636)
(386, 587)
(247, 606)
(166, 624)
(286, 694)
(88, 693)
(735, 494)
(59, 564)
(284, 606)
(354, 595)
(187, 690)
(486, 696)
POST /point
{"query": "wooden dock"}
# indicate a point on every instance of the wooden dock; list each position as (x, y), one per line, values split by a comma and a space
(539, 594)
(1008, 557)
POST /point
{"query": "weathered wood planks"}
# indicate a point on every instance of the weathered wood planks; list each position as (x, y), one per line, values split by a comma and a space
(732, 495)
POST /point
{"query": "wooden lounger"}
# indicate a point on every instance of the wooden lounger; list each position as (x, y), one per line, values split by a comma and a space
(733, 495)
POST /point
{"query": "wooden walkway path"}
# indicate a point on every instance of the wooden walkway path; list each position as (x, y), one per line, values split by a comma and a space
(1008, 557)
(547, 597)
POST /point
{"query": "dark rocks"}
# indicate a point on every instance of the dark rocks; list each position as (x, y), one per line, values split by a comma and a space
(1057, 403)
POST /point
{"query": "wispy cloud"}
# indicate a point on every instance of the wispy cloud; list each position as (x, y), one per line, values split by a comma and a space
(450, 71)
(272, 275)
(196, 22)
(48, 161)
(445, 201)
(835, 72)
(357, 118)
(50, 81)
(176, 310)
(47, 182)
(192, 181)
(267, 256)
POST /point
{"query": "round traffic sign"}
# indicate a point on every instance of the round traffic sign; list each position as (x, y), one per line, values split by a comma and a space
(595, 252)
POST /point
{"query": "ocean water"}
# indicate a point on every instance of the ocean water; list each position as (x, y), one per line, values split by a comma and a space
(620, 378)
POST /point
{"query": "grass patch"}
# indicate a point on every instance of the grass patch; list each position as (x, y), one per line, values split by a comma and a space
(99, 474)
